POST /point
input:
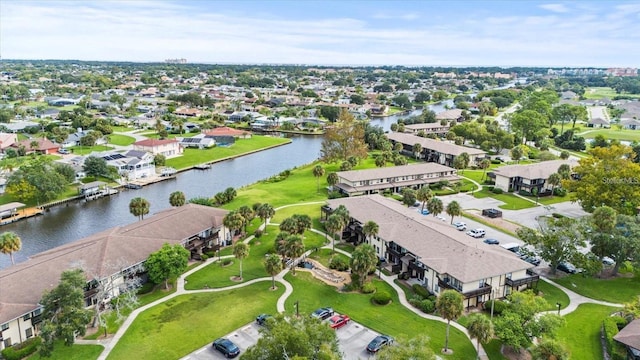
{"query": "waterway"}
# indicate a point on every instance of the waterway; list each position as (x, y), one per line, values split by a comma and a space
(67, 223)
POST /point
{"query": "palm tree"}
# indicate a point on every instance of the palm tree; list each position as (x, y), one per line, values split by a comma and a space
(247, 215)
(435, 206)
(233, 221)
(273, 265)
(484, 165)
(333, 225)
(9, 243)
(554, 180)
(417, 149)
(294, 248)
(565, 171)
(454, 209)
(240, 251)
(280, 242)
(332, 179)
(480, 328)
(33, 145)
(450, 306)
(318, 172)
(139, 207)
(177, 198)
(178, 122)
(466, 159)
(265, 212)
(363, 261)
(423, 195)
(370, 229)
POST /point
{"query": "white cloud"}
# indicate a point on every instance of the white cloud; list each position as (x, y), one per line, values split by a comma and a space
(558, 8)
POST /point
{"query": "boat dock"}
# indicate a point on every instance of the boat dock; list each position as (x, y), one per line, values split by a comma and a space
(21, 214)
(202, 167)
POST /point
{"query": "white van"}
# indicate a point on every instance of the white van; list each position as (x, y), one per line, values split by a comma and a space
(513, 247)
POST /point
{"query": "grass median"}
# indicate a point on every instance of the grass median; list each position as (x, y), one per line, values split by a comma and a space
(581, 333)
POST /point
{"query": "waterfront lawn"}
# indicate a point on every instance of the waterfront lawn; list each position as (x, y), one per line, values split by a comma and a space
(581, 333)
(122, 140)
(175, 328)
(617, 290)
(192, 157)
(73, 352)
(553, 295)
(393, 319)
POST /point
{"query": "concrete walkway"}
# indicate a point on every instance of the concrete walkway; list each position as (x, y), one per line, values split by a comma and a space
(575, 299)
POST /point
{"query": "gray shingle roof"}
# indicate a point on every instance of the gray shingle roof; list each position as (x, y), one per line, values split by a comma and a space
(437, 145)
(540, 170)
(394, 171)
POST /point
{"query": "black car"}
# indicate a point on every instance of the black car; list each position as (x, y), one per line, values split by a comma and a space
(262, 318)
(226, 347)
(323, 313)
(532, 260)
(567, 267)
(378, 342)
(491, 241)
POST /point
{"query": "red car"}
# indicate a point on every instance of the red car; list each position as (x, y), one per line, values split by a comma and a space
(338, 321)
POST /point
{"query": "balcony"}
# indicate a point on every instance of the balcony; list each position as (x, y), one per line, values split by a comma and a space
(484, 290)
(532, 277)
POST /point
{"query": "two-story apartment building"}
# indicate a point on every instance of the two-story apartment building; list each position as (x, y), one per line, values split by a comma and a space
(435, 254)
(109, 255)
(395, 178)
(526, 177)
(441, 152)
(427, 128)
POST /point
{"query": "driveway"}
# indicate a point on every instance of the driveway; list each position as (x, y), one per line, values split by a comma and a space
(353, 339)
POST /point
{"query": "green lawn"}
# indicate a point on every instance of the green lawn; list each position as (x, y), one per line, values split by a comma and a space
(324, 256)
(553, 295)
(511, 202)
(617, 290)
(597, 93)
(154, 135)
(181, 325)
(493, 350)
(550, 200)
(85, 150)
(393, 319)
(122, 140)
(217, 276)
(617, 134)
(581, 334)
(313, 210)
(122, 128)
(73, 352)
(192, 157)
(481, 220)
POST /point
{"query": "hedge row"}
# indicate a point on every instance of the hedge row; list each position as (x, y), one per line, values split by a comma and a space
(22, 350)
(611, 326)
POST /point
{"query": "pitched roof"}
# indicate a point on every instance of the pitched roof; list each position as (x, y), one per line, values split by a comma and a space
(394, 171)
(437, 145)
(630, 335)
(540, 170)
(101, 254)
(225, 131)
(43, 144)
(439, 245)
(155, 142)
(452, 114)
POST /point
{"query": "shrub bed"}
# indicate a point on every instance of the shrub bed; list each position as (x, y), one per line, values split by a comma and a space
(338, 263)
(611, 326)
(22, 350)
(498, 306)
(368, 288)
(381, 298)
(420, 290)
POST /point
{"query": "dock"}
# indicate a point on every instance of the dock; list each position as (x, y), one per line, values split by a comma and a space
(101, 193)
(202, 167)
(22, 214)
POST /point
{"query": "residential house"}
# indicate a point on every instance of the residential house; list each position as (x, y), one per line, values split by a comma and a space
(599, 123)
(111, 254)
(167, 147)
(438, 151)
(133, 164)
(6, 140)
(629, 336)
(42, 146)
(20, 126)
(200, 141)
(432, 253)
(630, 124)
(61, 101)
(526, 177)
(227, 131)
(188, 112)
(74, 139)
(427, 128)
(394, 179)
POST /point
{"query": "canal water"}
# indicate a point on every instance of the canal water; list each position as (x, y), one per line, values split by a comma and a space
(67, 223)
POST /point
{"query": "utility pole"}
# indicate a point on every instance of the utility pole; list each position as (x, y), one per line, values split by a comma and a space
(297, 303)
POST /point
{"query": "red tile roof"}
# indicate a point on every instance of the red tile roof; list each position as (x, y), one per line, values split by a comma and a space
(225, 131)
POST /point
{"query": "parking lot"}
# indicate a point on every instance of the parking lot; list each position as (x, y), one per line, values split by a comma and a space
(353, 339)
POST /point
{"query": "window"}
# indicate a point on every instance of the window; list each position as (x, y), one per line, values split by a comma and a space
(37, 312)
(5, 326)
(29, 332)
(7, 342)
(26, 317)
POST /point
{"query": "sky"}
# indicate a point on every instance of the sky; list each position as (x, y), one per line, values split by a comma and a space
(346, 32)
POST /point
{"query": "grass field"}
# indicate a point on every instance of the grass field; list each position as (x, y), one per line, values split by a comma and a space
(613, 134)
(86, 150)
(177, 327)
(193, 157)
(73, 352)
(597, 93)
(511, 202)
(393, 319)
(553, 295)
(617, 290)
(122, 140)
(581, 333)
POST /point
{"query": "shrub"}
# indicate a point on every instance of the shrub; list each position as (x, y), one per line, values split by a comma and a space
(368, 288)
(557, 215)
(381, 297)
(498, 306)
(610, 329)
(204, 257)
(427, 306)
(560, 192)
(497, 190)
(420, 290)
(226, 262)
(258, 233)
(334, 194)
(496, 161)
(338, 263)
(490, 188)
(146, 288)
(22, 350)
(210, 253)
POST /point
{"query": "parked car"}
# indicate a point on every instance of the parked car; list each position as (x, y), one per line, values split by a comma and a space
(262, 318)
(567, 267)
(442, 218)
(226, 347)
(323, 313)
(608, 261)
(64, 151)
(532, 260)
(492, 213)
(476, 233)
(460, 226)
(378, 343)
(424, 211)
(338, 321)
(491, 241)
